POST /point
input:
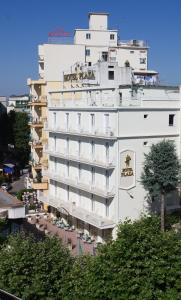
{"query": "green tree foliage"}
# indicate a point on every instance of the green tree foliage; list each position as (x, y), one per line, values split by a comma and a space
(143, 263)
(161, 172)
(33, 269)
(18, 134)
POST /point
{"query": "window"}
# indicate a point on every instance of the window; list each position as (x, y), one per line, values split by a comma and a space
(127, 64)
(55, 143)
(55, 164)
(106, 122)
(131, 51)
(55, 188)
(142, 60)
(92, 121)
(111, 36)
(104, 56)
(107, 207)
(111, 75)
(79, 120)
(88, 36)
(68, 194)
(93, 149)
(145, 143)
(80, 171)
(107, 179)
(68, 169)
(87, 52)
(79, 148)
(54, 119)
(107, 152)
(67, 121)
(92, 203)
(89, 64)
(171, 120)
(145, 116)
(93, 175)
(67, 150)
(120, 98)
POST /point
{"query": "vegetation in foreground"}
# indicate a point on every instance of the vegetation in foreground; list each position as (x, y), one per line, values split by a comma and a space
(143, 263)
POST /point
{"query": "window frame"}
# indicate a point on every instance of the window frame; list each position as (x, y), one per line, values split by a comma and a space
(88, 36)
(171, 119)
(87, 52)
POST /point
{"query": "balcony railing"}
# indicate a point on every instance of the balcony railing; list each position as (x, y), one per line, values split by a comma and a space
(133, 43)
(38, 101)
(37, 165)
(108, 133)
(43, 185)
(37, 144)
(36, 123)
(77, 211)
(78, 158)
(76, 183)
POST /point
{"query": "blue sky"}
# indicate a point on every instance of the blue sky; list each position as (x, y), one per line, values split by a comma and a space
(25, 24)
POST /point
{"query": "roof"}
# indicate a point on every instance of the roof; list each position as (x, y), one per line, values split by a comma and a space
(8, 201)
(98, 13)
(145, 72)
(9, 165)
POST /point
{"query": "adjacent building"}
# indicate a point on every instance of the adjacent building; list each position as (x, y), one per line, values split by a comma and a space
(18, 103)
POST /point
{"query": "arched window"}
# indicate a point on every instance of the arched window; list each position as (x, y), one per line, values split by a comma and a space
(127, 64)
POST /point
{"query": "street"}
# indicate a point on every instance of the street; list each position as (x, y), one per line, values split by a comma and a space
(18, 185)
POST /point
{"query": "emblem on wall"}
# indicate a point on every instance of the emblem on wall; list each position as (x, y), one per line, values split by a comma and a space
(127, 169)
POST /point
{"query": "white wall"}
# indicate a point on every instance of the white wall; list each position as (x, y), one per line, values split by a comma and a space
(58, 58)
(133, 56)
(16, 212)
(97, 38)
(98, 22)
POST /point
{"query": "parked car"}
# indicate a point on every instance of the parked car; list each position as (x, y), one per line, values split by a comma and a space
(6, 186)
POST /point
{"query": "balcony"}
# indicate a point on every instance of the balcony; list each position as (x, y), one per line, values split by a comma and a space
(40, 101)
(36, 144)
(133, 43)
(77, 211)
(36, 124)
(44, 163)
(40, 185)
(93, 162)
(87, 187)
(107, 134)
(37, 166)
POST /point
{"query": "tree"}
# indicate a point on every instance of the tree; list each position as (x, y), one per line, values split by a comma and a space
(33, 269)
(19, 135)
(161, 173)
(143, 263)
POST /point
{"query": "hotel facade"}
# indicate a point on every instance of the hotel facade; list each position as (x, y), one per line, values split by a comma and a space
(106, 113)
(97, 43)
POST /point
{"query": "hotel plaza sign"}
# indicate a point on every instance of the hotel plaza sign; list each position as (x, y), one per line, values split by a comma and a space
(88, 75)
(127, 169)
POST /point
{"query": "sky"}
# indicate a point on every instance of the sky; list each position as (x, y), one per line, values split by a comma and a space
(25, 24)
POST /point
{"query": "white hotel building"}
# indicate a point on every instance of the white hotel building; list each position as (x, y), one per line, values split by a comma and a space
(104, 112)
(99, 130)
(97, 43)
